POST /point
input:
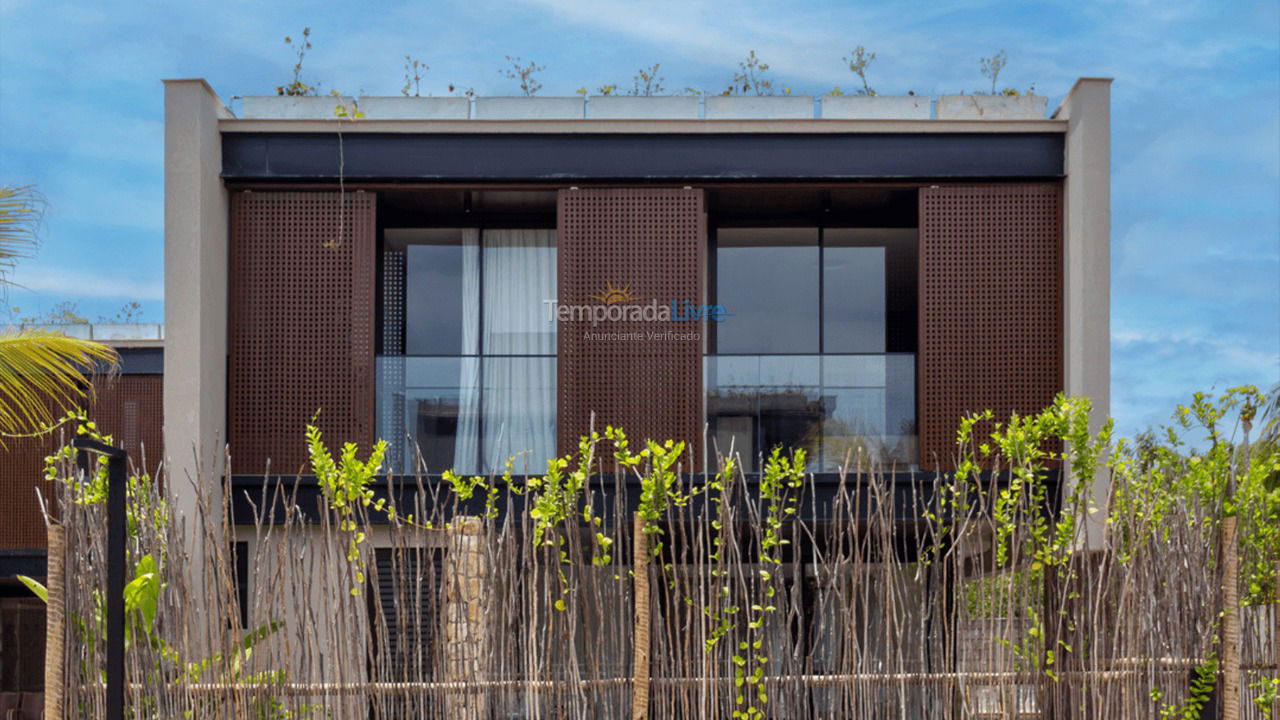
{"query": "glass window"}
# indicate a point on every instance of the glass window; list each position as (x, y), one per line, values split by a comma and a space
(767, 282)
(519, 276)
(869, 289)
(477, 382)
(421, 409)
(518, 412)
(774, 379)
(853, 303)
(828, 405)
(439, 290)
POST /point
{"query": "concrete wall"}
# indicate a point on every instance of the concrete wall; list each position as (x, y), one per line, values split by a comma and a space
(195, 280)
(195, 308)
(1087, 260)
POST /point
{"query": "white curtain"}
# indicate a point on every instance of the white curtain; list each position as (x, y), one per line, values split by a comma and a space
(519, 412)
(519, 274)
(467, 447)
(513, 386)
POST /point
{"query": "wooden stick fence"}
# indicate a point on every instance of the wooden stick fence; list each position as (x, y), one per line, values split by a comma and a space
(462, 614)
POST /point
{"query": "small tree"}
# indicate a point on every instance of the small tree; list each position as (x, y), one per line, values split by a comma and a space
(413, 70)
(991, 67)
(750, 78)
(524, 74)
(647, 82)
(297, 88)
(858, 61)
(130, 312)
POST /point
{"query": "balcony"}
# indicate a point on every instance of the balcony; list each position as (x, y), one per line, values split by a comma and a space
(471, 414)
(838, 408)
(467, 413)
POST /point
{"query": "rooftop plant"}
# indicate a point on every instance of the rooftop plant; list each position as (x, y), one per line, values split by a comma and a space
(296, 87)
(524, 74)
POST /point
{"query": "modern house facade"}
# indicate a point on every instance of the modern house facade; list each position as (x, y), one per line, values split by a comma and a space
(480, 279)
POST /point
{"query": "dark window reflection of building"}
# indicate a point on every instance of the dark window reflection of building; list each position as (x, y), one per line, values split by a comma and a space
(733, 424)
(791, 418)
(437, 432)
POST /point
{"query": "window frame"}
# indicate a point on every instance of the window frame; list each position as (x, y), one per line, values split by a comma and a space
(480, 225)
(890, 310)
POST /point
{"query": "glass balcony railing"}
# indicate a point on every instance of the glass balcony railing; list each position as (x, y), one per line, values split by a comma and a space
(832, 406)
(470, 414)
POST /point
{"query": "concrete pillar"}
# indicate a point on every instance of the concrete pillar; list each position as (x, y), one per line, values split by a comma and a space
(195, 308)
(195, 280)
(1087, 260)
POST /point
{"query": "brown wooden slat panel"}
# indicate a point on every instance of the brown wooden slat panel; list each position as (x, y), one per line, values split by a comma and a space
(302, 314)
(652, 242)
(129, 408)
(990, 306)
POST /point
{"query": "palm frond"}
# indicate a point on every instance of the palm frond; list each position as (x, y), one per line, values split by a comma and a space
(21, 208)
(43, 373)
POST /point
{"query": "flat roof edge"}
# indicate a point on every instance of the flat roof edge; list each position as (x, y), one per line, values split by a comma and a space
(655, 127)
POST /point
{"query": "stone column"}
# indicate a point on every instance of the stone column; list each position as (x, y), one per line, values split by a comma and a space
(465, 650)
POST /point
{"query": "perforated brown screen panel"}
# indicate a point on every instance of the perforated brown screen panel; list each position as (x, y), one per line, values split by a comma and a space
(644, 375)
(990, 306)
(302, 314)
(129, 408)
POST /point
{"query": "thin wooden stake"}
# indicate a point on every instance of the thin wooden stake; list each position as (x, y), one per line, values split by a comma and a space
(640, 657)
(1275, 640)
(1230, 620)
(55, 624)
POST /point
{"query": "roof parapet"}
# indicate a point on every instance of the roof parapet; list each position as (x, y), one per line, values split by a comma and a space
(737, 107)
(115, 334)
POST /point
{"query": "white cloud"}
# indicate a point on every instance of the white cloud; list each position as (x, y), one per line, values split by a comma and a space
(798, 43)
(75, 283)
(1230, 352)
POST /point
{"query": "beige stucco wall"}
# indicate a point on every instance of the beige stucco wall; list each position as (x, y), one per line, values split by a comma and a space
(1087, 261)
(195, 308)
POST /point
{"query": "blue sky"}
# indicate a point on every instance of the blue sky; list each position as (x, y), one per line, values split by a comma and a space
(1196, 121)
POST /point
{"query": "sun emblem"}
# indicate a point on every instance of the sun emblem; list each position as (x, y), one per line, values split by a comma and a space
(613, 295)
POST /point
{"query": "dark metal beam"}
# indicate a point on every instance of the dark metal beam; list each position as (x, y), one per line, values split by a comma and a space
(565, 158)
(141, 360)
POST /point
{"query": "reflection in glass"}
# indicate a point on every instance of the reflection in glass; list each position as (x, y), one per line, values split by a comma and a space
(440, 297)
(767, 281)
(833, 406)
(468, 414)
(853, 299)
